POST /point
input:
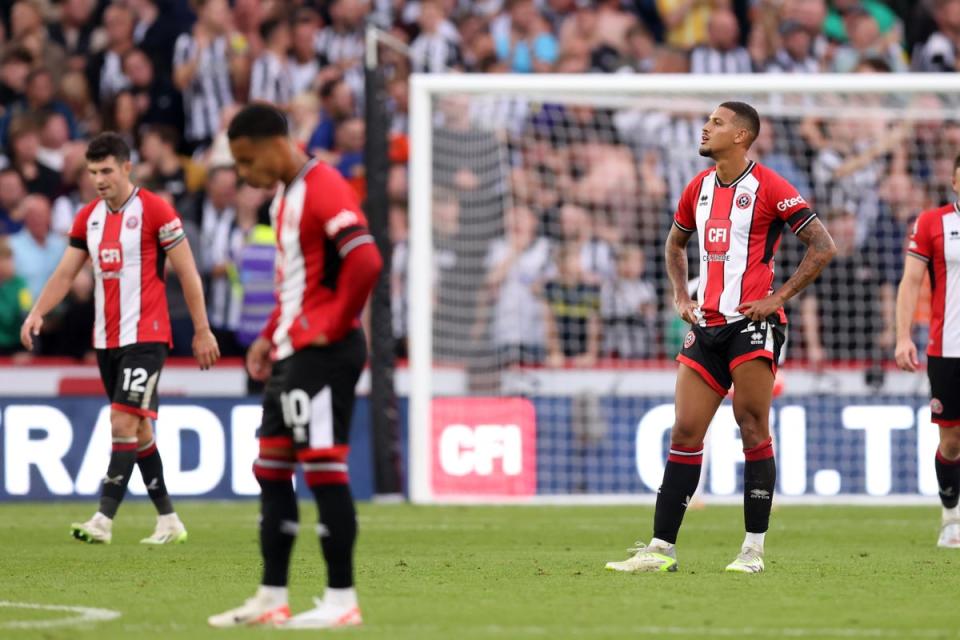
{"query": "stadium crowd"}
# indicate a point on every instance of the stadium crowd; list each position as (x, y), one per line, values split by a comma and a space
(549, 253)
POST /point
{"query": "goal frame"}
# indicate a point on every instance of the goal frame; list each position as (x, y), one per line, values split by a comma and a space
(424, 87)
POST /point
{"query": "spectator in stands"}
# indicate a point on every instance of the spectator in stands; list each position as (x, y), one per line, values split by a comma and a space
(867, 41)
(67, 330)
(158, 101)
(76, 95)
(837, 25)
(28, 30)
(15, 301)
(528, 46)
(160, 168)
(270, 78)
(399, 234)
(432, 51)
(337, 106)
(12, 192)
(24, 137)
(686, 20)
(628, 308)
(54, 140)
(14, 68)
(218, 219)
(795, 54)
(304, 117)
(939, 52)
(155, 32)
(640, 51)
(74, 31)
(65, 207)
(348, 154)
(578, 233)
(517, 266)
(206, 63)
(120, 114)
(841, 313)
(341, 44)
(304, 60)
(36, 248)
(105, 69)
(771, 149)
(572, 312)
(722, 53)
(39, 98)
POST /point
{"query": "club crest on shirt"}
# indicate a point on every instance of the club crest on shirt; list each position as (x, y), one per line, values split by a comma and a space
(133, 222)
(689, 340)
(936, 406)
(744, 200)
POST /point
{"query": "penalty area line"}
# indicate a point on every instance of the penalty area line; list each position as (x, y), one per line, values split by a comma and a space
(83, 615)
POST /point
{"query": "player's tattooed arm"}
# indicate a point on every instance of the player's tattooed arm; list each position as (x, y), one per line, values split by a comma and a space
(676, 259)
(820, 251)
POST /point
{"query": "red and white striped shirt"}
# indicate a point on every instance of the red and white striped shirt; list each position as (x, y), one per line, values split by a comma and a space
(327, 261)
(739, 227)
(128, 249)
(936, 241)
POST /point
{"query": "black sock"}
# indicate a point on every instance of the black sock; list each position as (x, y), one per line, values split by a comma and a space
(338, 532)
(759, 480)
(680, 479)
(151, 468)
(948, 478)
(122, 459)
(279, 522)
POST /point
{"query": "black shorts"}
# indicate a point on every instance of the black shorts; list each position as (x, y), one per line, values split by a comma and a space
(309, 399)
(944, 375)
(130, 375)
(714, 352)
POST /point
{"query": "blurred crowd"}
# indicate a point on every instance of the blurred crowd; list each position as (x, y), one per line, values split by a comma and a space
(548, 218)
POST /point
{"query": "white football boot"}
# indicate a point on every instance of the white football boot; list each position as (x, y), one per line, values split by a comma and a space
(96, 530)
(337, 609)
(169, 531)
(750, 560)
(949, 534)
(647, 559)
(264, 608)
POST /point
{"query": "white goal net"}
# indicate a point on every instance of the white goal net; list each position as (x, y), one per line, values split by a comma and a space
(541, 328)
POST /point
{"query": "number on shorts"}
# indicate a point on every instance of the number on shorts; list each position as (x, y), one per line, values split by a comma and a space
(135, 379)
(295, 405)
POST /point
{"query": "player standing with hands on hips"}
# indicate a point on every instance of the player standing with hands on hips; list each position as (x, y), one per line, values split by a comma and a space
(738, 209)
(935, 249)
(327, 264)
(128, 233)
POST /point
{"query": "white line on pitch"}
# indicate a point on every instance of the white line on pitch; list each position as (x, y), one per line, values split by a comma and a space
(721, 632)
(84, 615)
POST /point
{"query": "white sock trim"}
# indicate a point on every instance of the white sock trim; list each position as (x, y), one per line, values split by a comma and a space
(951, 514)
(657, 542)
(341, 597)
(754, 540)
(275, 594)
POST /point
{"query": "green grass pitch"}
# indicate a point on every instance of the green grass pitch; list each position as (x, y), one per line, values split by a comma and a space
(429, 573)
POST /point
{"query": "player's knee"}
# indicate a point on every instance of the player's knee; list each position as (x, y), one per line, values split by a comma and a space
(753, 428)
(123, 424)
(274, 464)
(686, 435)
(950, 443)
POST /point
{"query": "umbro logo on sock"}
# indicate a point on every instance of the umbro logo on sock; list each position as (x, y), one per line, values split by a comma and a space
(117, 480)
(760, 494)
(154, 484)
(947, 491)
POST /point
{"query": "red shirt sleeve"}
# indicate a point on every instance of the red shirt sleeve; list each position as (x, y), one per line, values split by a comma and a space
(787, 203)
(345, 226)
(921, 238)
(163, 220)
(686, 216)
(78, 232)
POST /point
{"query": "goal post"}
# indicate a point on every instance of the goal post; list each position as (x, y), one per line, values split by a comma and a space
(510, 420)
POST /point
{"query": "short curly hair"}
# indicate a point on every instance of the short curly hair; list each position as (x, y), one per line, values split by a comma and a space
(108, 144)
(258, 120)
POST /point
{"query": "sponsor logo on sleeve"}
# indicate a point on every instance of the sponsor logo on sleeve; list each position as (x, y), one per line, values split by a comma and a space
(341, 221)
(788, 203)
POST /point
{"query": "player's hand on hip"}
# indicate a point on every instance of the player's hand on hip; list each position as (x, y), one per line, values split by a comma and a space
(205, 348)
(31, 327)
(688, 310)
(760, 310)
(258, 359)
(320, 341)
(906, 355)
